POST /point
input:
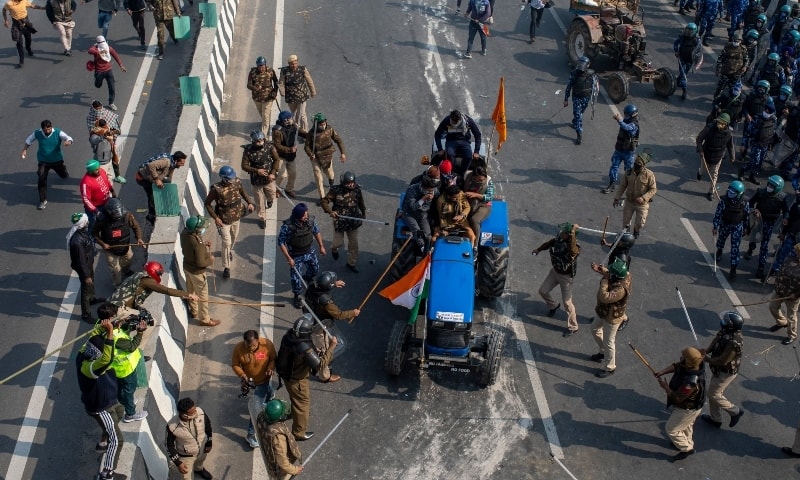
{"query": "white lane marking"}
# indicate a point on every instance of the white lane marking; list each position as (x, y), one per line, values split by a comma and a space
(136, 94)
(720, 276)
(30, 423)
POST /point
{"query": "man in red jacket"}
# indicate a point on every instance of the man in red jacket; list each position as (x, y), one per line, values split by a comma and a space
(96, 189)
(103, 53)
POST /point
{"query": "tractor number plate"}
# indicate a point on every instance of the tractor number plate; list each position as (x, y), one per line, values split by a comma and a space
(448, 366)
(450, 316)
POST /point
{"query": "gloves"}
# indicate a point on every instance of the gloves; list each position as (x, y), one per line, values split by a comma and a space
(208, 446)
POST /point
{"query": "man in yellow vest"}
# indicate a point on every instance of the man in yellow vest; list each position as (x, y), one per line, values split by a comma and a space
(126, 358)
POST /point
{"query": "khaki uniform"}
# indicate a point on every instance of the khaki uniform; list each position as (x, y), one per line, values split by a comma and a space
(634, 186)
(263, 84)
(448, 210)
(787, 283)
(612, 299)
(297, 86)
(284, 139)
(280, 449)
(299, 392)
(186, 441)
(563, 255)
(345, 201)
(196, 258)
(320, 149)
(224, 202)
(686, 395)
(264, 190)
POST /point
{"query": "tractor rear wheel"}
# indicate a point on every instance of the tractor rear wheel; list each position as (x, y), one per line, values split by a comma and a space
(492, 272)
(406, 261)
(664, 83)
(617, 87)
(579, 42)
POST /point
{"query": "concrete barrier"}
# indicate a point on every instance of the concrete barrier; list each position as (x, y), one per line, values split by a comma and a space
(143, 456)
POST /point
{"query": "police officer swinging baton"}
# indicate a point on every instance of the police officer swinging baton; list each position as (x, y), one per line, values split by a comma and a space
(362, 219)
(688, 319)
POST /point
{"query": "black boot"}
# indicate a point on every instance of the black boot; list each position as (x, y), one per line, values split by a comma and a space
(683, 95)
(752, 178)
(719, 254)
(749, 253)
(760, 272)
(732, 274)
(578, 140)
(610, 188)
(740, 174)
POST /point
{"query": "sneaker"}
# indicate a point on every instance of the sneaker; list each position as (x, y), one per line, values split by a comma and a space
(204, 474)
(467, 55)
(160, 56)
(297, 302)
(42, 205)
(253, 441)
(67, 53)
(290, 194)
(113, 107)
(135, 417)
(120, 179)
(483, 52)
(105, 475)
(101, 447)
(262, 224)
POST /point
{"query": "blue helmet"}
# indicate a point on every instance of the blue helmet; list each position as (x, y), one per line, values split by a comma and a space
(227, 173)
(284, 116)
(737, 187)
(776, 181)
(256, 136)
(630, 110)
(261, 61)
(583, 64)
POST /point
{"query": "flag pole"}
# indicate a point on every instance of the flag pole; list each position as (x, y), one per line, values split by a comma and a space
(397, 255)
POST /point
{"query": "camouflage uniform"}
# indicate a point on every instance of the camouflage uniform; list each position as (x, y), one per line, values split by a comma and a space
(279, 448)
(787, 283)
(319, 148)
(296, 85)
(266, 159)
(612, 300)
(284, 139)
(724, 357)
(731, 65)
(350, 203)
(224, 202)
(263, 84)
(163, 12)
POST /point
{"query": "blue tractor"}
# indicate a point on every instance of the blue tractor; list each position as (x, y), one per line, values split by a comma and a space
(441, 328)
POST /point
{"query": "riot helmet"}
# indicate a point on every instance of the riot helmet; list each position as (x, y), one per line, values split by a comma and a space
(773, 58)
(626, 241)
(261, 61)
(348, 177)
(325, 281)
(736, 189)
(794, 12)
(785, 92)
(276, 410)
(731, 320)
(762, 87)
(257, 136)
(761, 20)
(690, 30)
(195, 223)
(114, 208)
(227, 173)
(752, 35)
(776, 182)
(618, 270)
(583, 64)
(303, 326)
(630, 111)
(154, 270)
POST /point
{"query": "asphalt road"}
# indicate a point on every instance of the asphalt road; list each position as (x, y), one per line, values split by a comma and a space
(386, 73)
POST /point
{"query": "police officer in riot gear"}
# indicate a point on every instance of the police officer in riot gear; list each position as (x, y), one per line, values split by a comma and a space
(112, 231)
(583, 86)
(278, 446)
(224, 205)
(724, 355)
(625, 146)
(345, 200)
(685, 46)
(731, 64)
(564, 250)
(731, 218)
(284, 139)
(686, 392)
(297, 359)
(261, 161)
(767, 205)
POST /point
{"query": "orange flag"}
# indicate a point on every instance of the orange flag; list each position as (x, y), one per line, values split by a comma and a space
(499, 115)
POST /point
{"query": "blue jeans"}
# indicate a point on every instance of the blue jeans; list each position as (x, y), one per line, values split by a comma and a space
(266, 392)
(459, 149)
(104, 20)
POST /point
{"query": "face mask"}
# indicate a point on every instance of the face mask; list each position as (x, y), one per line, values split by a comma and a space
(732, 194)
(736, 43)
(770, 189)
(766, 114)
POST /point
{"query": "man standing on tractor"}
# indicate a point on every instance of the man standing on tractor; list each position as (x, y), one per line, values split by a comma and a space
(625, 146)
(584, 87)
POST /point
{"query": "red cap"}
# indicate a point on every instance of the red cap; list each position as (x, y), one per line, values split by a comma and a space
(446, 167)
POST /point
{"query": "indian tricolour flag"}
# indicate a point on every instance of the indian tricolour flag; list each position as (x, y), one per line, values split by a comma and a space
(408, 290)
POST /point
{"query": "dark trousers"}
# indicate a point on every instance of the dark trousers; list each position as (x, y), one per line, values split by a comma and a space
(21, 33)
(126, 387)
(151, 203)
(108, 420)
(475, 27)
(460, 154)
(137, 18)
(109, 78)
(43, 170)
(536, 19)
(87, 295)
